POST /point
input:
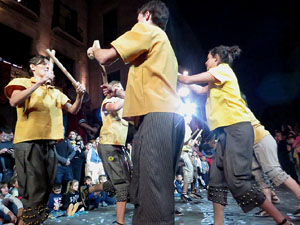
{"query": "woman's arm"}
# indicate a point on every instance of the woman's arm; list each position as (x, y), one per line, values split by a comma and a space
(200, 78)
(199, 89)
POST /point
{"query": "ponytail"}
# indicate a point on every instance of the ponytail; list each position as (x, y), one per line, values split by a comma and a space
(226, 54)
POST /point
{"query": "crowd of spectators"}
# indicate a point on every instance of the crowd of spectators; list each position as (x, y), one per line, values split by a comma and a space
(79, 166)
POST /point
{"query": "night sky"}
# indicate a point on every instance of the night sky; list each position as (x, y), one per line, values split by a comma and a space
(268, 32)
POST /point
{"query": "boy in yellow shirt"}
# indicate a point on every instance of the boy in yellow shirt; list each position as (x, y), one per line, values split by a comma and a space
(151, 101)
(39, 126)
(113, 136)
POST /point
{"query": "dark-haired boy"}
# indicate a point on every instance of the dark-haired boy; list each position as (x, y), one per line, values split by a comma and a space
(152, 103)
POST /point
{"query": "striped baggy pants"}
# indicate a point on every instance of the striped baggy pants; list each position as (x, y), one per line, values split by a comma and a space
(156, 151)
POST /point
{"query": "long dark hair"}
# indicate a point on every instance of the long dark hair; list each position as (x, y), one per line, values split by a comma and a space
(226, 54)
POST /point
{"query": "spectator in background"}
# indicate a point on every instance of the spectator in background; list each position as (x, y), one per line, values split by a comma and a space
(94, 166)
(13, 204)
(7, 161)
(286, 159)
(79, 158)
(278, 136)
(105, 197)
(197, 167)
(208, 149)
(71, 199)
(55, 201)
(80, 124)
(178, 183)
(294, 153)
(65, 152)
(13, 184)
(204, 170)
(188, 170)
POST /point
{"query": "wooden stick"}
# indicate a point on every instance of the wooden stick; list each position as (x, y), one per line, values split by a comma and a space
(96, 45)
(51, 63)
(48, 82)
(192, 135)
(198, 135)
(63, 69)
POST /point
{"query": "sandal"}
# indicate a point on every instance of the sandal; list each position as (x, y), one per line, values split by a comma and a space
(275, 199)
(185, 198)
(261, 213)
(118, 223)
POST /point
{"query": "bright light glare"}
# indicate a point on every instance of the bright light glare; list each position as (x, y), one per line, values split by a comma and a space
(185, 73)
(184, 91)
(188, 109)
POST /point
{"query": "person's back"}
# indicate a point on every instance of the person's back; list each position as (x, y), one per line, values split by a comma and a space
(150, 54)
(152, 103)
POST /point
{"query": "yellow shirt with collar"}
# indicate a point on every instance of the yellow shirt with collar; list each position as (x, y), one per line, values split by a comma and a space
(40, 116)
(224, 105)
(259, 130)
(152, 77)
(114, 129)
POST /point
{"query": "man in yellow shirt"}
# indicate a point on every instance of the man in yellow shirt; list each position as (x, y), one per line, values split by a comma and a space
(151, 101)
(39, 125)
(113, 136)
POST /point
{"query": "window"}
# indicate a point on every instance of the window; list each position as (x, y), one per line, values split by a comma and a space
(110, 26)
(33, 5)
(14, 42)
(66, 19)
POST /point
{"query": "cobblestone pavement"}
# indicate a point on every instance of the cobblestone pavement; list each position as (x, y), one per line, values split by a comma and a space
(196, 212)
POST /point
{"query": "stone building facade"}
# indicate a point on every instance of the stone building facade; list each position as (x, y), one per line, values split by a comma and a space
(69, 27)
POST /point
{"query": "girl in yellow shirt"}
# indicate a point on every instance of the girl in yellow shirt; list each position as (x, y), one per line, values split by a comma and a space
(227, 116)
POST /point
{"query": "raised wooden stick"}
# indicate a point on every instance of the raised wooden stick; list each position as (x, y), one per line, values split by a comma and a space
(63, 69)
(198, 135)
(96, 45)
(48, 82)
(51, 63)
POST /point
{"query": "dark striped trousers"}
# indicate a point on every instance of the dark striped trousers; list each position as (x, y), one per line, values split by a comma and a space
(156, 151)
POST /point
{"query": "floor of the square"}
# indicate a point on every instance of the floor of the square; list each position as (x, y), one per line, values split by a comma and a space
(196, 212)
